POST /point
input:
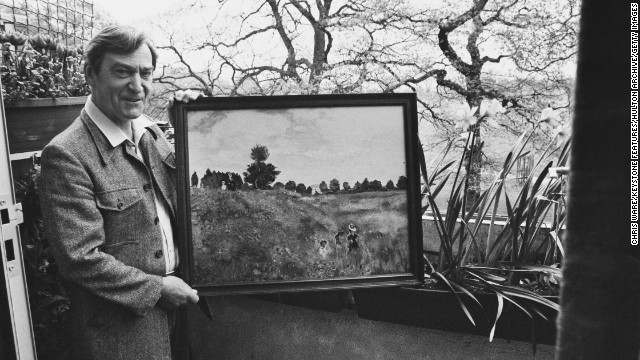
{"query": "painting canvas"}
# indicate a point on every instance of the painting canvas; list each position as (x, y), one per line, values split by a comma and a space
(298, 192)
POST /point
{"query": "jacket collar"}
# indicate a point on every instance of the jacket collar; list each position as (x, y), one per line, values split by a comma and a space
(108, 137)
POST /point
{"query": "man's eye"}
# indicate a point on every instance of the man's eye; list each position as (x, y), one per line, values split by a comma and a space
(122, 72)
(146, 74)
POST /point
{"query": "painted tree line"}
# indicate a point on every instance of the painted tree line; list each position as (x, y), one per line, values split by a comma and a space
(261, 176)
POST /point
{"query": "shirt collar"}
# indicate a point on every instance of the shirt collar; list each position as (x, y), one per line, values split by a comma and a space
(111, 131)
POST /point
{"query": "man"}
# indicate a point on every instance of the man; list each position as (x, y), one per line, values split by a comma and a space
(109, 203)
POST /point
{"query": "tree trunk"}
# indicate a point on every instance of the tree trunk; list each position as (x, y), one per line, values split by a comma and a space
(474, 168)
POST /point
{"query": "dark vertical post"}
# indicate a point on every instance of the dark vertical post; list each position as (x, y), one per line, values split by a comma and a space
(600, 297)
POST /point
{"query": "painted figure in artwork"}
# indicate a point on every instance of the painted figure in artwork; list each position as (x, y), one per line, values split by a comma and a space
(352, 238)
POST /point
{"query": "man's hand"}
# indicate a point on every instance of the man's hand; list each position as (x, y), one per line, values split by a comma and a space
(176, 292)
(183, 96)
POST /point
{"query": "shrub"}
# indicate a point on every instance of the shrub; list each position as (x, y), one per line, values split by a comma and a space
(40, 67)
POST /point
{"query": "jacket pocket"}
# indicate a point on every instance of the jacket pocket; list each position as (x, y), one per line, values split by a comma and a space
(117, 200)
(120, 210)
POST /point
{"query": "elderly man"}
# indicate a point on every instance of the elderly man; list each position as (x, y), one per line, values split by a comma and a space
(109, 203)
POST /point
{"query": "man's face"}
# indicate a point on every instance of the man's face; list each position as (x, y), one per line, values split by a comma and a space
(122, 85)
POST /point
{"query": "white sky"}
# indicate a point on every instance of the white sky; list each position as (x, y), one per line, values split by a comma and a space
(134, 11)
(306, 145)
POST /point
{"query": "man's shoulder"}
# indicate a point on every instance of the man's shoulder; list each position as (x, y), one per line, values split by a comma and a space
(71, 135)
(75, 139)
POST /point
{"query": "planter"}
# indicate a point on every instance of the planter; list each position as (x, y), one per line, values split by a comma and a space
(32, 123)
(438, 309)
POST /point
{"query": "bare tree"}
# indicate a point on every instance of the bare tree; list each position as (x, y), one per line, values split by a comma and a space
(451, 53)
(511, 50)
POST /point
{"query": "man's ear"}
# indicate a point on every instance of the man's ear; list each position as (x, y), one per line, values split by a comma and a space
(89, 75)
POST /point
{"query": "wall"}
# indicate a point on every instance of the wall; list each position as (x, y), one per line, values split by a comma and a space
(248, 328)
(431, 241)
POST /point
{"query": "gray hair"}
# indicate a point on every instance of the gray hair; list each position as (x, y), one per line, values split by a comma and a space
(115, 39)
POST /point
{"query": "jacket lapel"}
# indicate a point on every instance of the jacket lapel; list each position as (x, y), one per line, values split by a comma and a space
(103, 146)
(160, 155)
(160, 158)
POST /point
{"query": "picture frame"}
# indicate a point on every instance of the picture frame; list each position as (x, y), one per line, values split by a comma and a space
(298, 193)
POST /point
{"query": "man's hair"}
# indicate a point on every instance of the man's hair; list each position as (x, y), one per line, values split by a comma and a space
(115, 39)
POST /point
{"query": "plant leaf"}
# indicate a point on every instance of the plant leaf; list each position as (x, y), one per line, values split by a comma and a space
(539, 268)
(554, 235)
(498, 313)
(462, 305)
(499, 289)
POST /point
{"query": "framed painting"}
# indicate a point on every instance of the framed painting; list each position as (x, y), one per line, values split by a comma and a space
(294, 193)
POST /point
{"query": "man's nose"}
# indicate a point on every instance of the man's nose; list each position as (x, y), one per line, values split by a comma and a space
(135, 83)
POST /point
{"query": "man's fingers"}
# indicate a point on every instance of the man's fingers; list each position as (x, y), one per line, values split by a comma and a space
(177, 293)
(185, 95)
(193, 297)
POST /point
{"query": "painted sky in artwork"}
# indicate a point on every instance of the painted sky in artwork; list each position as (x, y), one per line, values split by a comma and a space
(307, 145)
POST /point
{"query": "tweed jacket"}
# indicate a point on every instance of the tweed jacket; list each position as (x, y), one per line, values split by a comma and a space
(101, 221)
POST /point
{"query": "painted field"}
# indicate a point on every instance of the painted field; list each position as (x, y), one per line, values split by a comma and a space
(275, 235)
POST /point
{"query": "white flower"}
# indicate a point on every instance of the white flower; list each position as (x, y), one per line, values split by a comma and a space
(548, 119)
(494, 124)
(491, 108)
(465, 116)
(561, 133)
(463, 136)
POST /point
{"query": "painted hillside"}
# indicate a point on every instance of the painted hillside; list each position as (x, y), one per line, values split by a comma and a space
(257, 235)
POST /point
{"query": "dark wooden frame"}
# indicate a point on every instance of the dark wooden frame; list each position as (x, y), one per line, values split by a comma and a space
(406, 101)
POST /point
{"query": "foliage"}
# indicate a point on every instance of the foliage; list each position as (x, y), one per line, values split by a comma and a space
(40, 67)
(376, 185)
(261, 175)
(301, 188)
(390, 185)
(462, 267)
(48, 299)
(218, 179)
(334, 185)
(401, 184)
(365, 185)
(537, 198)
(259, 153)
(323, 187)
(290, 185)
(346, 186)
(508, 263)
(258, 173)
